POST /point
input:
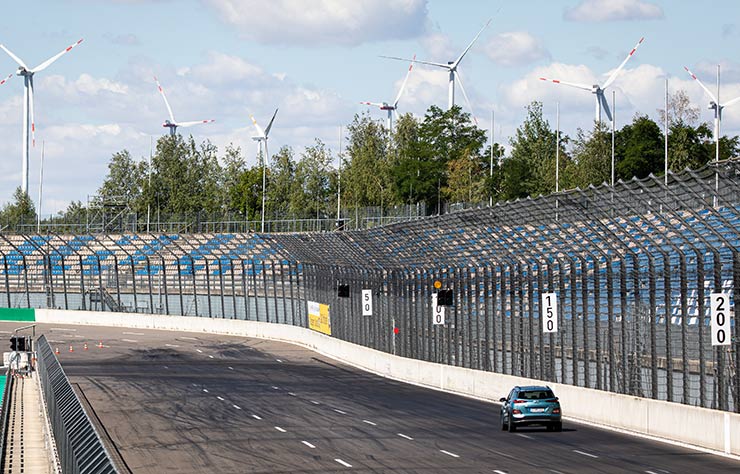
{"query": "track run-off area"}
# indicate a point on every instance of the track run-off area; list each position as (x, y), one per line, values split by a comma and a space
(201, 403)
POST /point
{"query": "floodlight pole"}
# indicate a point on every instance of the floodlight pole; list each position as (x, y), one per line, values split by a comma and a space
(614, 119)
(490, 191)
(41, 188)
(339, 177)
(665, 134)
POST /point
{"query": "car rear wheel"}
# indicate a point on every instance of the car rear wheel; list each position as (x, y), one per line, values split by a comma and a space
(512, 427)
(504, 425)
(558, 426)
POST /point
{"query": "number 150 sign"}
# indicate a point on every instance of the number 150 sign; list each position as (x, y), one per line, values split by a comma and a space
(549, 312)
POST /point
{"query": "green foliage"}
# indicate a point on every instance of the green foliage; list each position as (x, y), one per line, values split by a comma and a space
(20, 211)
(366, 168)
(124, 181)
(310, 193)
(639, 149)
(591, 159)
(280, 185)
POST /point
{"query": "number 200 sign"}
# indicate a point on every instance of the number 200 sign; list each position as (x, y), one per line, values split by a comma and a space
(549, 312)
(720, 313)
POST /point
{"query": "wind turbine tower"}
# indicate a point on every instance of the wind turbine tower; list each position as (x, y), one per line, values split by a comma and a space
(28, 120)
(391, 108)
(261, 139)
(451, 67)
(172, 124)
(601, 102)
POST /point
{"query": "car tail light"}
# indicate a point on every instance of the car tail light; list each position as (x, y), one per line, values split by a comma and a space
(516, 412)
(520, 401)
(556, 411)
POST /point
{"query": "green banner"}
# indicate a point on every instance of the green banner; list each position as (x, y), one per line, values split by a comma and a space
(17, 314)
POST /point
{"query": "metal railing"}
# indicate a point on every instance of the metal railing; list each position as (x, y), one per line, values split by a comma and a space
(79, 446)
(633, 267)
(5, 414)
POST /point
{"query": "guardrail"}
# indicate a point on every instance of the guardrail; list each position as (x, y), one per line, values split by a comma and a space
(80, 448)
(4, 413)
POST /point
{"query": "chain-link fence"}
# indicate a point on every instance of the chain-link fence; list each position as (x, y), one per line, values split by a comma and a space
(633, 268)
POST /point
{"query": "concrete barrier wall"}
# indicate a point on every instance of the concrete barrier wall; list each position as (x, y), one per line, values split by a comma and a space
(700, 427)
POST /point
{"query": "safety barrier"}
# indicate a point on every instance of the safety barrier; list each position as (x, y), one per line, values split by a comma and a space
(4, 413)
(80, 448)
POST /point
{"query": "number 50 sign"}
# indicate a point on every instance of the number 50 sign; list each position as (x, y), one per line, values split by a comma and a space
(720, 312)
(549, 312)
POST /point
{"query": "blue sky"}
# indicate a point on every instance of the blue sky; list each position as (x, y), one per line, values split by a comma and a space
(318, 59)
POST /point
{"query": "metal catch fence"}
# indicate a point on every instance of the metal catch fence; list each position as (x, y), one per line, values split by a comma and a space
(632, 266)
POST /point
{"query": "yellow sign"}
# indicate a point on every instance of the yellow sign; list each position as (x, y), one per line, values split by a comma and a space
(318, 317)
(437, 284)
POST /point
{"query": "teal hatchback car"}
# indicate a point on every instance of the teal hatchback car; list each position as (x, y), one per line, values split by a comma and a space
(531, 405)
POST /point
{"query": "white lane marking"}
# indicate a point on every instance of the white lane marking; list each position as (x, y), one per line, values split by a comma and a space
(291, 394)
(256, 417)
(369, 422)
(129, 340)
(449, 453)
(586, 454)
(63, 329)
(315, 402)
(210, 356)
(650, 472)
(205, 390)
(198, 350)
(405, 436)
(524, 436)
(171, 345)
(237, 407)
(231, 368)
(499, 472)
(340, 411)
(220, 398)
(275, 388)
(79, 336)
(345, 464)
(166, 367)
(188, 338)
(308, 444)
(280, 429)
(279, 360)
(132, 333)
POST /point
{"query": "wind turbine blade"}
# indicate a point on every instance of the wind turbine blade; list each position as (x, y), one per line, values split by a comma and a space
(613, 75)
(161, 91)
(465, 95)
(731, 102)
(604, 105)
(15, 58)
(376, 104)
(194, 122)
(457, 61)
(429, 63)
(709, 93)
(30, 105)
(269, 125)
(571, 84)
(260, 132)
(403, 85)
(48, 62)
(6, 79)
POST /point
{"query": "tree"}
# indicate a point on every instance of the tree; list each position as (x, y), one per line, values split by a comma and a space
(310, 192)
(233, 169)
(281, 174)
(680, 110)
(366, 170)
(20, 211)
(530, 169)
(591, 159)
(639, 149)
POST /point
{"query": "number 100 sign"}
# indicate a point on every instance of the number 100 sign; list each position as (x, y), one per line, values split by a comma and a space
(549, 312)
(720, 313)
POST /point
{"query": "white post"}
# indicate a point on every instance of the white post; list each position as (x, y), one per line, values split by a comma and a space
(24, 158)
(718, 133)
(149, 204)
(339, 174)
(41, 188)
(557, 147)
(490, 191)
(614, 119)
(665, 133)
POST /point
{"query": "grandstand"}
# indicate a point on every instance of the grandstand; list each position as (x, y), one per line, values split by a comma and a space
(633, 266)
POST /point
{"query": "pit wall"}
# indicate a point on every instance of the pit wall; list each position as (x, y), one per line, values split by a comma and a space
(698, 427)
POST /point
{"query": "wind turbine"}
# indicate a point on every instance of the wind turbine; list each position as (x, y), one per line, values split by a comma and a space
(28, 120)
(172, 124)
(715, 105)
(261, 139)
(451, 67)
(393, 107)
(601, 102)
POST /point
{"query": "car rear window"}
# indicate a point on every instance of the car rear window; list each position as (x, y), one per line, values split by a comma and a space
(536, 395)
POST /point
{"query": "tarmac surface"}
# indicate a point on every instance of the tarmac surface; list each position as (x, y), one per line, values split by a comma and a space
(197, 403)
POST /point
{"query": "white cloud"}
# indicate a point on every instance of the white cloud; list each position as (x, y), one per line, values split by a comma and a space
(224, 69)
(515, 48)
(310, 22)
(613, 10)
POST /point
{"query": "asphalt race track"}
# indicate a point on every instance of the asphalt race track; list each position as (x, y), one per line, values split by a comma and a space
(185, 402)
